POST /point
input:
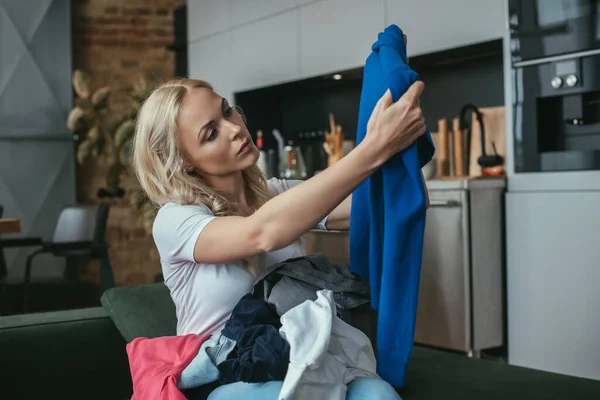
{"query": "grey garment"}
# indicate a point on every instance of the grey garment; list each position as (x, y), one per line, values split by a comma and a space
(203, 368)
(293, 281)
(288, 293)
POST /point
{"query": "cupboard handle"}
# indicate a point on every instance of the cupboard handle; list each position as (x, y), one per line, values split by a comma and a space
(444, 203)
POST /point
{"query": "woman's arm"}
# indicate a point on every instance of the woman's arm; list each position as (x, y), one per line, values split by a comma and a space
(339, 218)
(286, 217)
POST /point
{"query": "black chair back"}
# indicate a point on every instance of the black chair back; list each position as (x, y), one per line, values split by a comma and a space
(81, 223)
(79, 234)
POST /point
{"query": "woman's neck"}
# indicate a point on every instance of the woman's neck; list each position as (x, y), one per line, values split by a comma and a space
(232, 185)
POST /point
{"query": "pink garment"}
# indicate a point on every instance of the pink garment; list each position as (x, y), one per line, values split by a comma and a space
(157, 363)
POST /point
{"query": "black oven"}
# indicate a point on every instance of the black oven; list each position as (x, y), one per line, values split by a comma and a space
(555, 79)
(546, 28)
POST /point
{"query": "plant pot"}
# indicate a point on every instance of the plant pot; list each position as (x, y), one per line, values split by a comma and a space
(117, 193)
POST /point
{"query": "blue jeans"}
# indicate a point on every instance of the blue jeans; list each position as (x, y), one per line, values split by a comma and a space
(358, 389)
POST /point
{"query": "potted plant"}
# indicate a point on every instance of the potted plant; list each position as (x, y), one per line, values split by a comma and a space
(105, 135)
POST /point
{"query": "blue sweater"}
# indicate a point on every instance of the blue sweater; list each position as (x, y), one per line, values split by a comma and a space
(387, 221)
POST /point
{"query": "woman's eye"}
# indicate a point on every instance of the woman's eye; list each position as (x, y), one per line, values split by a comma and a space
(228, 112)
(211, 135)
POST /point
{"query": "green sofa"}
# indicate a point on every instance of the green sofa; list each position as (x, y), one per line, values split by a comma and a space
(80, 354)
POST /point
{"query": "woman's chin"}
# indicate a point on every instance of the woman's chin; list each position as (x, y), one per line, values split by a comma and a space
(251, 158)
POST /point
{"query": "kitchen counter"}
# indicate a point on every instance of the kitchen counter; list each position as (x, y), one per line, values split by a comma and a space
(335, 245)
(554, 181)
(466, 184)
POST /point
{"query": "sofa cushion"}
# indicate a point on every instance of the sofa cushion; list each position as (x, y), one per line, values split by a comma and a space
(141, 311)
(71, 354)
(436, 374)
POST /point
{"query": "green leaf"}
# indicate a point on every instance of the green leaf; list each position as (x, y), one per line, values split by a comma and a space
(84, 150)
(75, 120)
(124, 133)
(100, 97)
(127, 153)
(81, 84)
(94, 133)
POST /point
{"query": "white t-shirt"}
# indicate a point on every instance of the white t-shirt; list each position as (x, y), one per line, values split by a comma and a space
(205, 294)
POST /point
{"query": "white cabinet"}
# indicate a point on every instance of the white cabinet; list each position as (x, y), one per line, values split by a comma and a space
(338, 34)
(266, 52)
(206, 17)
(276, 41)
(210, 59)
(433, 25)
(244, 11)
(553, 276)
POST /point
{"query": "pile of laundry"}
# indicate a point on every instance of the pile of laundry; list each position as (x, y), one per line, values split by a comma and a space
(289, 330)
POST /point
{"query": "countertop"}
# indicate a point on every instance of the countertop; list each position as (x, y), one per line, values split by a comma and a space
(568, 181)
(466, 183)
(571, 181)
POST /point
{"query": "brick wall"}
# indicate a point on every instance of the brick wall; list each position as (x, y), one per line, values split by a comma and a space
(116, 41)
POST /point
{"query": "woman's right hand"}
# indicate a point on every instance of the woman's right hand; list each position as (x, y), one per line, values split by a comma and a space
(393, 127)
(285, 218)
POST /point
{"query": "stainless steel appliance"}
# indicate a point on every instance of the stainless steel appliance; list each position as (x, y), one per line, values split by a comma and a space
(549, 28)
(461, 293)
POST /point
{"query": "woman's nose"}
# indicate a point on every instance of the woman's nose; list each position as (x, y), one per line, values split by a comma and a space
(234, 129)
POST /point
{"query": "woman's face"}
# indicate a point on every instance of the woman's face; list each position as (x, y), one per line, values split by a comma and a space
(214, 136)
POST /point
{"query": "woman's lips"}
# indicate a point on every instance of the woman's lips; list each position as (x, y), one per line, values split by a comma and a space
(245, 147)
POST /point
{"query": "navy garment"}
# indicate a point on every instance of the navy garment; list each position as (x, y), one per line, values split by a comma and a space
(261, 354)
(387, 221)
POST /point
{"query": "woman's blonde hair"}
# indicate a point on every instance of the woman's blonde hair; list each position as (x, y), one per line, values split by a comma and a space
(160, 163)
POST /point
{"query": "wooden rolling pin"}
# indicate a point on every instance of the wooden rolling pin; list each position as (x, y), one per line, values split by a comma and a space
(459, 155)
(443, 167)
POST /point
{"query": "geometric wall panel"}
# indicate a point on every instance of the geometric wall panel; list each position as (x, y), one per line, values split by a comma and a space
(37, 166)
(35, 67)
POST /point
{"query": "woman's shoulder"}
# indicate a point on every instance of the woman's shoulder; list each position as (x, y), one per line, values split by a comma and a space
(175, 210)
(176, 228)
(172, 215)
(277, 186)
(172, 207)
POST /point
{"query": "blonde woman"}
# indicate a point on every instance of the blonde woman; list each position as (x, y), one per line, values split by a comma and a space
(220, 222)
